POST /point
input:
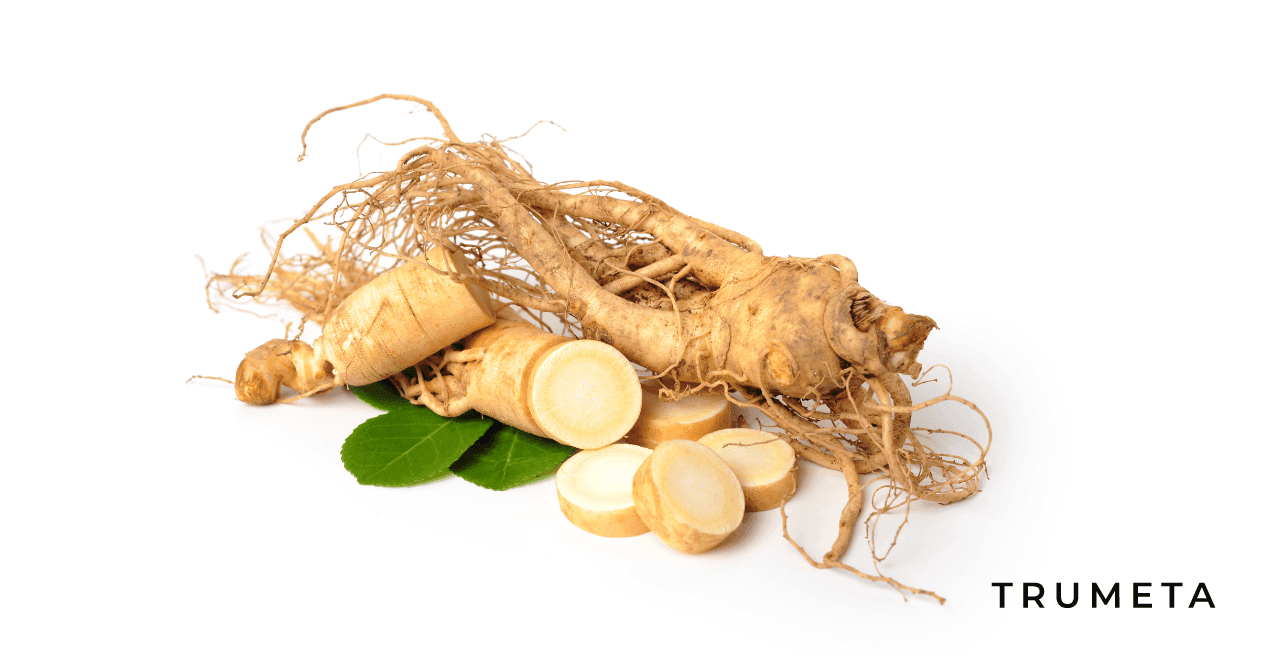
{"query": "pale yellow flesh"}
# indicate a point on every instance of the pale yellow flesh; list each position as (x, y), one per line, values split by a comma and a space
(765, 465)
(688, 496)
(585, 394)
(688, 418)
(594, 490)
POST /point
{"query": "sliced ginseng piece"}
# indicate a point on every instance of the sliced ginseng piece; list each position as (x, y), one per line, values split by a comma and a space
(764, 464)
(594, 489)
(688, 496)
(688, 418)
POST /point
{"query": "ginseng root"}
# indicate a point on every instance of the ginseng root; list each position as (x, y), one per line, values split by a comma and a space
(391, 323)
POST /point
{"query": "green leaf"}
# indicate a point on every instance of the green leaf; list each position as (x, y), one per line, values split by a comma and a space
(382, 395)
(507, 457)
(409, 446)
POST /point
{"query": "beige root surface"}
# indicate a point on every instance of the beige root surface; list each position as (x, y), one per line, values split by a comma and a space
(400, 318)
(690, 417)
(594, 490)
(688, 496)
(798, 340)
(764, 464)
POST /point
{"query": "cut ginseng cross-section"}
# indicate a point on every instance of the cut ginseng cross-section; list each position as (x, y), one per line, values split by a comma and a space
(594, 489)
(688, 496)
(764, 464)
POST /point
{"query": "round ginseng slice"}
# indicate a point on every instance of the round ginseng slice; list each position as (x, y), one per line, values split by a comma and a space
(688, 496)
(594, 489)
(764, 464)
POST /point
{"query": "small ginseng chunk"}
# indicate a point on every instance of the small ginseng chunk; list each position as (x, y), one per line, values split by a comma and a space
(688, 418)
(688, 496)
(764, 464)
(594, 489)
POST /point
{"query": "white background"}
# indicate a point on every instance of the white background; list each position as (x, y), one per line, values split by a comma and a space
(1079, 193)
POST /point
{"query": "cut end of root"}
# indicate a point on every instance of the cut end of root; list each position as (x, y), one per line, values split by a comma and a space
(764, 464)
(585, 394)
(688, 496)
(594, 489)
